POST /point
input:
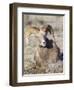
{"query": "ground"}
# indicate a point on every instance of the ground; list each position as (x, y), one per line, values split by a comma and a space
(56, 22)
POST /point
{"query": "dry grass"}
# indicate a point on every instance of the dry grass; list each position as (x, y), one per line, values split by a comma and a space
(30, 66)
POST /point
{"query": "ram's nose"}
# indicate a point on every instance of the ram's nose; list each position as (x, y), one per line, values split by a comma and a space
(43, 44)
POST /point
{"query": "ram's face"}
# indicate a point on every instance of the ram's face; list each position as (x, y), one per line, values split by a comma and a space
(44, 34)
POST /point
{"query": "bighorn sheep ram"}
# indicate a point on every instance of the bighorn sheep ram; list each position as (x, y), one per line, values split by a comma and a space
(47, 52)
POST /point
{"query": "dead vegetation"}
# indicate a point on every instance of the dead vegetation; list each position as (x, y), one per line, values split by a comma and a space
(30, 64)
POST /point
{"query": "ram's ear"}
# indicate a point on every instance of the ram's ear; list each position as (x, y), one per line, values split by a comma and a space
(49, 29)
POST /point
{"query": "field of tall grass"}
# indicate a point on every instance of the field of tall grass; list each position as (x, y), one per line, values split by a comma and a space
(56, 22)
